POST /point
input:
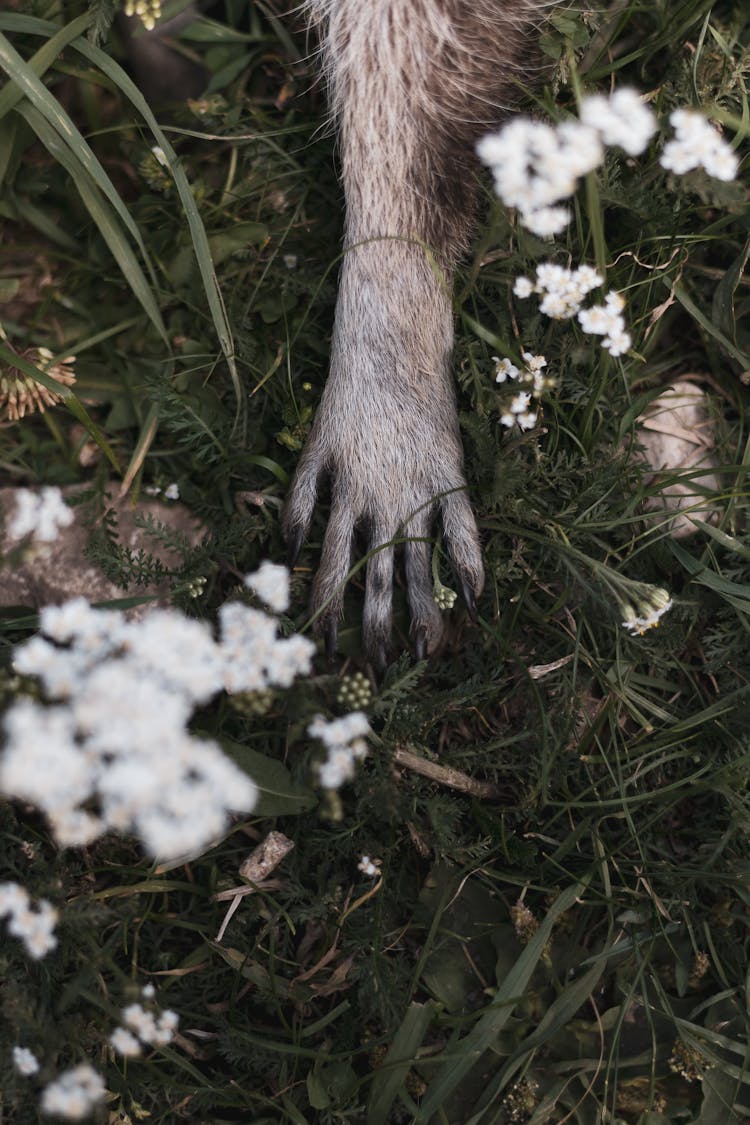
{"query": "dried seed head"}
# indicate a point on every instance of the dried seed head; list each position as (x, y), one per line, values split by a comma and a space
(21, 395)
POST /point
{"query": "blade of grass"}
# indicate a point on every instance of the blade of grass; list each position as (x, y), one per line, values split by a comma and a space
(102, 216)
(12, 93)
(201, 248)
(47, 105)
(470, 1049)
(391, 1076)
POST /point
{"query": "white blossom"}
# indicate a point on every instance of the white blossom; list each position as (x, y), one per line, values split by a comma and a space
(25, 1061)
(125, 1043)
(154, 1029)
(172, 492)
(518, 411)
(546, 221)
(271, 583)
(369, 867)
(344, 740)
(621, 119)
(74, 1094)
(649, 611)
(504, 369)
(39, 515)
(697, 144)
(523, 287)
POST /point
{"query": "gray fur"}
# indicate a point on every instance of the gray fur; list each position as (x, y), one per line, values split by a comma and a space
(413, 83)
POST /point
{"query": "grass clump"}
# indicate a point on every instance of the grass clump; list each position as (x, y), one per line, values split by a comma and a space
(529, 903)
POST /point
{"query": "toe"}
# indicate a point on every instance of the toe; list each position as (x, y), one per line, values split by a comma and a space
(328, 588)
(300, 503)
(462, 541)
(377, 616)
(426, 620)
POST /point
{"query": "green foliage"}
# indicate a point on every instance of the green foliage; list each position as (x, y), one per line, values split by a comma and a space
(572, 946)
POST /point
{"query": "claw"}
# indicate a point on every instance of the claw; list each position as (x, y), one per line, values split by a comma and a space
(294, 546)
(420, 643)
(470, 599)
(379, 660)
(331, 638)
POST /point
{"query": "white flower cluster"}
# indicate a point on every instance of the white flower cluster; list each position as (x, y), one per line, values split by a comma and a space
(25, 1061)
(697, 144)
(563, 291)
(537, 165)
(35, 926)
(648, 613)
(114, 751)
(271, 583)
(369, 867)
(344, 739)
(532, 375)
(39, 515)
(74, 1094)
(142, 1026)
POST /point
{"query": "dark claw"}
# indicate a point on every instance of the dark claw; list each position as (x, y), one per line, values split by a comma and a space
(379, 660)
(331, 638)
(296, 539)
(420, 643)
(471, 601)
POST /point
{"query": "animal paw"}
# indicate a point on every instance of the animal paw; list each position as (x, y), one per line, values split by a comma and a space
(394, 459)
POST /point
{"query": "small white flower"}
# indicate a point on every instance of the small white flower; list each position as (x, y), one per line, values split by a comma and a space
(523, 287)
(158, 152)
(504, 369)
(617, 343)
(651, 608)
(546, 221)
(697, 144)
(25, 1061)
(344, 739)
(520, 402)
(39, 515)
(622, 119)
(74, 1094)
(534, 362)
(125, 1043)
(172, 492)
(271, 583)
(369, 867)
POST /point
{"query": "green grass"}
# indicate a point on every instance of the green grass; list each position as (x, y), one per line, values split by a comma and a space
(611, 797)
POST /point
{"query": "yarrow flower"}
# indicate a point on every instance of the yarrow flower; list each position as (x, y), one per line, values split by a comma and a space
(74, 1094)
(344, 740)
(536, 165)
(697, 144)
(39, 515)
(620, 119)
(563, 291)
(648, 613)
(369, 867)
(35, 926)
(142, 1026)
(113, 750)
(518, 412)
(271, 583)
(25, 1061)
